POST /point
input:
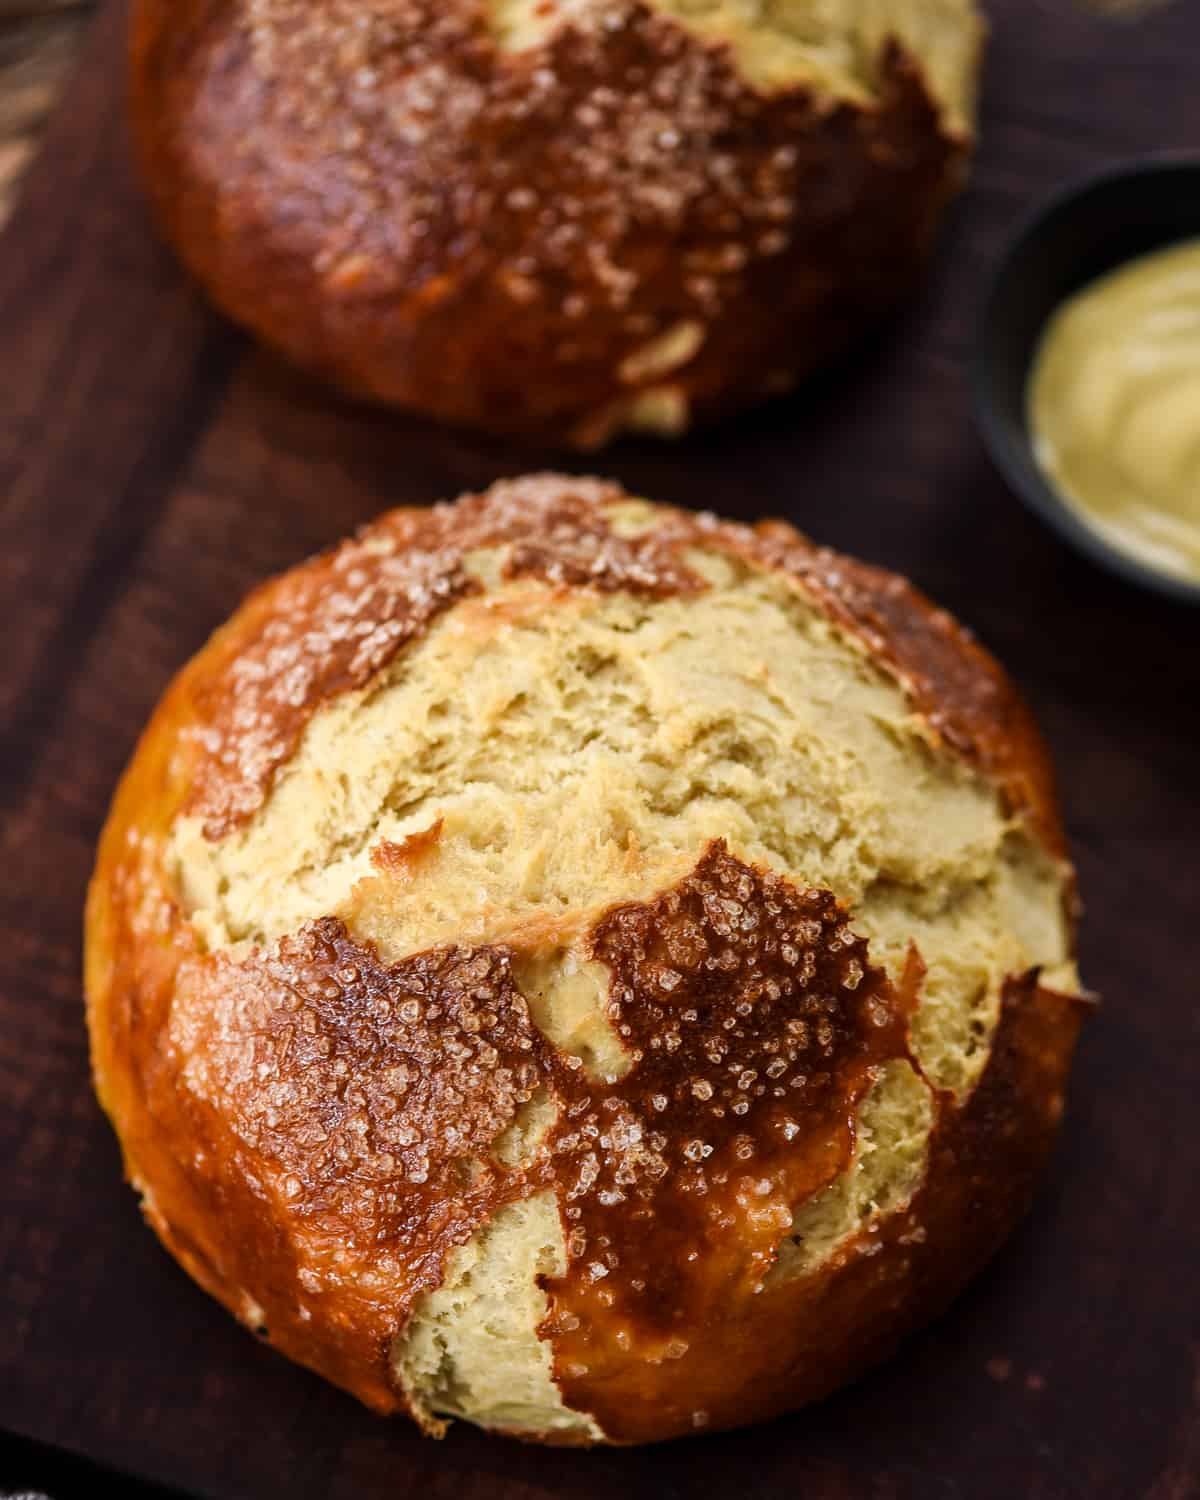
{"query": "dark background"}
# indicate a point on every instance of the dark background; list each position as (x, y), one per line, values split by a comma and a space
(152, 467)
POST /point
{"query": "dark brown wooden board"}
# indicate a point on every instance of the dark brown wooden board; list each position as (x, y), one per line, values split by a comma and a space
(152, 467)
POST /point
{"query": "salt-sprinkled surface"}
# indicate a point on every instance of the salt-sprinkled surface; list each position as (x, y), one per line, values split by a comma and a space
(619, 119)
(754, 1018)
(364, 1090)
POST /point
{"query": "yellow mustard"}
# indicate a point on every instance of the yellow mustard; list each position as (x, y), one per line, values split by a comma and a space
(1114, 407)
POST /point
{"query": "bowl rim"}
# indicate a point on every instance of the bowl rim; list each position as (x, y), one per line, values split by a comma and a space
(1015, 459)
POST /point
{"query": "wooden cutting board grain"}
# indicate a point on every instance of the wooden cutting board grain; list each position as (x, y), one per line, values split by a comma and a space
(39, 40)
(152, 467)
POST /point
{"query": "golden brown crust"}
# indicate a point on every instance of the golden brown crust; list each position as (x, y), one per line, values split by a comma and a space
(492, 237)
(311, 1139)
(362, 1100)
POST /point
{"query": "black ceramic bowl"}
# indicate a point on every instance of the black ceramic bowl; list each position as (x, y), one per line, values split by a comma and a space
(1088, 228)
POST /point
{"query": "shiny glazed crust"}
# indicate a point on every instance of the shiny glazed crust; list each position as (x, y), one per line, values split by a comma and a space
(532, 241)
(287, 1166)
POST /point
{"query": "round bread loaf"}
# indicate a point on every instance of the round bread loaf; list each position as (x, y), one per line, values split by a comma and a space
(555, 218)
(587, 968)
